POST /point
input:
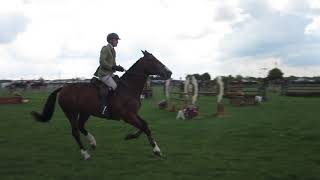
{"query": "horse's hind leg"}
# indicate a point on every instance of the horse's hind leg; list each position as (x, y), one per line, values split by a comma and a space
(73, 118)
(82, 121)
(133, 135)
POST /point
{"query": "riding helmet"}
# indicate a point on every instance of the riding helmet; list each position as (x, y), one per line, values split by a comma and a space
(112, 36)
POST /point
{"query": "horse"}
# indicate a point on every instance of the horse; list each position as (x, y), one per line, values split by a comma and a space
(79, 101)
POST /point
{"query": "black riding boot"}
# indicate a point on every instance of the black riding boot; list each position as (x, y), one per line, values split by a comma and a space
(105, 102)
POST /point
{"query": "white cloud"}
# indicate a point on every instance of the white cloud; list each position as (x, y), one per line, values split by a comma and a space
(63, 38)
(275, 31)
(313, 28)
(11, 24)
(280, 5)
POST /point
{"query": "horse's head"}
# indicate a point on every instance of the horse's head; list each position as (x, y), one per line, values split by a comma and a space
(152, 66)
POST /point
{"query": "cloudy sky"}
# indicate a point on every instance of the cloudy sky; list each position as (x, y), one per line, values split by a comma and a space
(62, 38)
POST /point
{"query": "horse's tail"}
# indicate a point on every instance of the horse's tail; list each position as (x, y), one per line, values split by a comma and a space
(48, 108)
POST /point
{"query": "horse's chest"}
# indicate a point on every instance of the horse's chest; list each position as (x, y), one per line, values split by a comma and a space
(127, 103)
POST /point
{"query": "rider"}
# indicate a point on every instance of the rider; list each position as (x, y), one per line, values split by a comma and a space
(107, 67)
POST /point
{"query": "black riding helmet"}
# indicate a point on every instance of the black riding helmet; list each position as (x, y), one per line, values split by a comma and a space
(112, 36)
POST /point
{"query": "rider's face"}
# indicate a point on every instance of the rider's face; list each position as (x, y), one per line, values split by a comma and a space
(114, 42)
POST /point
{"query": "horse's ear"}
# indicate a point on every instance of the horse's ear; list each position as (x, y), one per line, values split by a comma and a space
(144, 53)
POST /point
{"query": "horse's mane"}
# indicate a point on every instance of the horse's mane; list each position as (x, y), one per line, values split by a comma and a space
(131, 75)
(131, 69)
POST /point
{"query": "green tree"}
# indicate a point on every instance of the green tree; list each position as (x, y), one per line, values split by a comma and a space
(197, 76)
(205, 77)
(275, 74)
(239, 77)
(229, 78)
(41, 79)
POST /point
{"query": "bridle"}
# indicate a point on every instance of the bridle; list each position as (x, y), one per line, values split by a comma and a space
(142, 75)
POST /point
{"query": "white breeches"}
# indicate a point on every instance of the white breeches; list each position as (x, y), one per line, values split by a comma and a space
(108, 80)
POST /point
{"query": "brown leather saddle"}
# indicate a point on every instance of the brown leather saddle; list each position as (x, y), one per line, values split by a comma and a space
(104, 92)
(101, 86)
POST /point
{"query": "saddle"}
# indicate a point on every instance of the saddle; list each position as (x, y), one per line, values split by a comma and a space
(104, 92)
(97, 82)
(103, 88)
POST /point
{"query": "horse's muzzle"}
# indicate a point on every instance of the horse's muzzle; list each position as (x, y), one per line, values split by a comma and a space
(166, 74)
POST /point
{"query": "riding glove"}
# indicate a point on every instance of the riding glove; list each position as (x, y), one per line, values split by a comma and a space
(118, 68)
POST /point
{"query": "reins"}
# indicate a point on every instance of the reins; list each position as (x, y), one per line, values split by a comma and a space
(138, 74)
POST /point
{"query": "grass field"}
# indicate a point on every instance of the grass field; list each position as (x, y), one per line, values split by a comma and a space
(277, 140)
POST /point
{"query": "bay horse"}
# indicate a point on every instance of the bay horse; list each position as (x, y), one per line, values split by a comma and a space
(80, 100)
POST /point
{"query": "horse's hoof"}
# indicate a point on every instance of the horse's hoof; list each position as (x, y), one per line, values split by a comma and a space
(157, 153)
(85, 155)
(87, 158)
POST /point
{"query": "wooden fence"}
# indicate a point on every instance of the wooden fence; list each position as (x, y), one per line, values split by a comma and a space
(245, 93)
(301, 89)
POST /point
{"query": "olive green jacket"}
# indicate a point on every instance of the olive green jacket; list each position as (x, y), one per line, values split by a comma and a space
(107, 60)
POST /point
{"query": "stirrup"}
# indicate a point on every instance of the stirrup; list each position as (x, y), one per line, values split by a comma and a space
(105, 109)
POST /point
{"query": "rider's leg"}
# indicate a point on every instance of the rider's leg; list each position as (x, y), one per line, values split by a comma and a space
(108, 80)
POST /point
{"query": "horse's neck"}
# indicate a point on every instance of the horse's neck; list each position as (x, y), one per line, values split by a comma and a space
(133, 85)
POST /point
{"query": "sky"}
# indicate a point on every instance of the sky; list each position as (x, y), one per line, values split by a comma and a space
(54, 39)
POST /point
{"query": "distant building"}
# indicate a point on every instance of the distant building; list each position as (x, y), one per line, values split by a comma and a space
(5, 83)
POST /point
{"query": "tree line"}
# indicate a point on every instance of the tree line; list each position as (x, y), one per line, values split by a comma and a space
(274, 74)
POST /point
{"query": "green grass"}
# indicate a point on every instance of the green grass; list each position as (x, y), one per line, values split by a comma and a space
(277, 140)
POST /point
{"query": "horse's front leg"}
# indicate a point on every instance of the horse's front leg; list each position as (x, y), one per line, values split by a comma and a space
(140, 124)
(156, 150)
